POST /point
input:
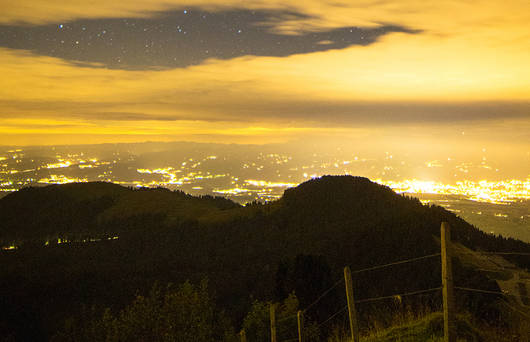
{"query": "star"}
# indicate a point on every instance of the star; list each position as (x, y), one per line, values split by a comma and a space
(174, 30)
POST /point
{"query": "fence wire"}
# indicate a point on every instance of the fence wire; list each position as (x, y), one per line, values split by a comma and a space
(398, 295)
(490, 292)
(395, 263)
(332, 316)
(326, 292)
(505, 253)
(494, 253)
(323, 295)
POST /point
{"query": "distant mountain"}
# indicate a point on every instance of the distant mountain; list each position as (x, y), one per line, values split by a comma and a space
(121, 240)
(80, 210)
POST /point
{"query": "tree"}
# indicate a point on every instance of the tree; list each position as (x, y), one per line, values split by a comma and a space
(185, 313)
(257, 321)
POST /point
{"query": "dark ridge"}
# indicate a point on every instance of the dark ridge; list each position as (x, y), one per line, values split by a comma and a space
(77, 210)
(260, 251)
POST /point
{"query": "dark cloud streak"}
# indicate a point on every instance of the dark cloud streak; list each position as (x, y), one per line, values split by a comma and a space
(323, 113)
(182, 38)
(354, 113)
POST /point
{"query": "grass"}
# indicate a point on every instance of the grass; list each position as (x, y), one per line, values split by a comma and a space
(428, 328)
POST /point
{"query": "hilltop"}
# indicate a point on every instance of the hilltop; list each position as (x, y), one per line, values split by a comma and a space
(122, 240)
(77, 210)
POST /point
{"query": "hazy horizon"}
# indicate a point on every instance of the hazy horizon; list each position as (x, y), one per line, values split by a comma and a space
(425, 104)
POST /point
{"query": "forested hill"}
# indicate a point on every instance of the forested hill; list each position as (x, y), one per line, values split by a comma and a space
(79, 210)
(120, 241)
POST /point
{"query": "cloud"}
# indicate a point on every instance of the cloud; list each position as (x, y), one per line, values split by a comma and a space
(390, 81)
(472, 68)
(503, 24)
(178, 39)
(425, 15)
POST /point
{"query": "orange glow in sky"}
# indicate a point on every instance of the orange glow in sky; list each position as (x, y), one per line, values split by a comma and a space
(457, 57)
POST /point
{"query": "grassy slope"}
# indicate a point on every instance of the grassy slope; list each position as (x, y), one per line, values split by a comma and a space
(512, 280)
(428, 328)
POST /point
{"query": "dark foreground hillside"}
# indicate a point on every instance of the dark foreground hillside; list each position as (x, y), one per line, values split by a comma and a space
(120, 242)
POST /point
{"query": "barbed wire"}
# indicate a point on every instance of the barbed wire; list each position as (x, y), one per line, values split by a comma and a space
(495, 292)
(490, 292)
(395, 263)
(398, 295)
(492, 270)
(326, 292)
(332, 316)
(323, 295)
(479, 290)
(493, 253)
(313, 303)
(505, 253)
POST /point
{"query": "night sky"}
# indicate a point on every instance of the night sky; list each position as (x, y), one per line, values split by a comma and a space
(266, 71)
(181, 38)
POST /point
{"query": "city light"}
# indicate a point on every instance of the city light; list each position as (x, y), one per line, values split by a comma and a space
(262, 176)
(501, 192)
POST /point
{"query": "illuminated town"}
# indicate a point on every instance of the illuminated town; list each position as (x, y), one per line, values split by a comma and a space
(261, 177)
(245, 174)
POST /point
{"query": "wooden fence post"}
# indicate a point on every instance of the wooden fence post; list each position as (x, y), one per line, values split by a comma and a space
(273, 323)
(447, 283)
(300, 316)
(243, 335)
(354, 328)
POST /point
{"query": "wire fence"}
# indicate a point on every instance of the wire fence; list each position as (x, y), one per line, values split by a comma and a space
(505, 253)
(434, 289)
(398, 296)
(333, 316)
(343, 309)
(490, 292)
(323, 295)
(395, 263)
